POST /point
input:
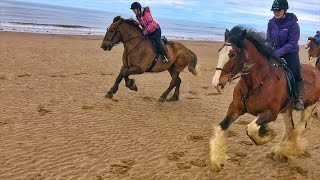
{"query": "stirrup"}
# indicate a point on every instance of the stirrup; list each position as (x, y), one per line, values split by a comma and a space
(298, 104)
(165, 59)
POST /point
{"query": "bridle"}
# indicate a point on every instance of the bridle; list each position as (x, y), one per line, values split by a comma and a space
(118, 31)
(231, 72)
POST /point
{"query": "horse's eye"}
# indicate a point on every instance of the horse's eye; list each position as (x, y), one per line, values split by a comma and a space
(232, 55)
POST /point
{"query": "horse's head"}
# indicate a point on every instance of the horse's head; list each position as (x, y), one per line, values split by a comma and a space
(231, 59)
(113, 35)
(313, 48)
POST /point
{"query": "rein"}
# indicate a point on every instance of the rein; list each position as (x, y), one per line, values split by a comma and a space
(231, 74)
(125, 41)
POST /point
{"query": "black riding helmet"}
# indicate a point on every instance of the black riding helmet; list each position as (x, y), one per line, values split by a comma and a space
(279, 5)
(135, 5)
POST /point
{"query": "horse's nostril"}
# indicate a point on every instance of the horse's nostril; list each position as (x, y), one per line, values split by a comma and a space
(221, 85)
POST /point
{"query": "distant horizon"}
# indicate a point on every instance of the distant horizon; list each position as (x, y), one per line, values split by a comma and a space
(218, 14)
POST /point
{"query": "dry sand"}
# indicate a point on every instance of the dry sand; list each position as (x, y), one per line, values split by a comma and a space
(55, 122)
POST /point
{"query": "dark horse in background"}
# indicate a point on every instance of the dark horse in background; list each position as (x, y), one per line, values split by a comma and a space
(314, 58)
(262, 92)
(313, 51)
(139, 57)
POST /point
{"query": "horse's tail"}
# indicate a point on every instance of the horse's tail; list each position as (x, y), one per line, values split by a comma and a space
(192, 65)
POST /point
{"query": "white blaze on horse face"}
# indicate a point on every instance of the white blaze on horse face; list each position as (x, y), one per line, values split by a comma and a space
(222, 60)
(307, 45)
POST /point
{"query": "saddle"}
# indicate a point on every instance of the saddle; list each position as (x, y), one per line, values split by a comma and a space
(291, 88)
(157, 51)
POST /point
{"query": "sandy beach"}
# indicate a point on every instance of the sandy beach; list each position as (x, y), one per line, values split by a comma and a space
(55, 122)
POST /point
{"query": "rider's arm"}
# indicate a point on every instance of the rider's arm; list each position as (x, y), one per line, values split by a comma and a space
(294, 36)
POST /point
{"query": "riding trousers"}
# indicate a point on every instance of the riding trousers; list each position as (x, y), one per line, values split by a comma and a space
(156, 35)
(293, 63)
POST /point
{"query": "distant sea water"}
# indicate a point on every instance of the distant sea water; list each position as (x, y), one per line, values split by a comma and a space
(41, 18)
(22, 16)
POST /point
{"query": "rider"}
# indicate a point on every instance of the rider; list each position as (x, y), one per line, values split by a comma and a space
(317, 37)
(149, 26)
(283, 35)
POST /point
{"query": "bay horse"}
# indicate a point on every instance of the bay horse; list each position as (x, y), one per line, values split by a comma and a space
(262, 92)
(139, 57)
(313, 50)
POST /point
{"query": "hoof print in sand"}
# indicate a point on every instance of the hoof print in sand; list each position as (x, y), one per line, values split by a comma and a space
(23, 75)
(87, 107)
(182, 165)
(248, 143)
(3, 77)
(128, 162)
(146, 98)
(198, 163)
(299, 170)
(195, 138)
(122, 168)
(119, 168)
(176, 155)
(42, 110)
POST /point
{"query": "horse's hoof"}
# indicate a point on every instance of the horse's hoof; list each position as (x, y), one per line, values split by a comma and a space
(277, 157)
(161, 99)
(173, 98)
(133, 87)
(109, 95)
(216, 167)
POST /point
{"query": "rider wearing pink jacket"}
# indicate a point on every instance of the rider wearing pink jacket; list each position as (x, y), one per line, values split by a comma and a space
(149, 26)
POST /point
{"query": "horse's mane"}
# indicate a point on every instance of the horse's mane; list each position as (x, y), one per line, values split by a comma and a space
(130, 22)
(257, 38)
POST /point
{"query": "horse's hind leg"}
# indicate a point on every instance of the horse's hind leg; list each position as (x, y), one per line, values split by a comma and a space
(283, 150)
(306, 118)
(175, 96)
(258, 129)
(294, 145)
(175, 80)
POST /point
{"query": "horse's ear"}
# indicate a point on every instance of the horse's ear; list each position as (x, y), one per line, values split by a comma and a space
(311, 39)
(226, 34)
(244, 34)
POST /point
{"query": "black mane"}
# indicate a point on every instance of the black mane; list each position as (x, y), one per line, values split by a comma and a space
(257, 38)
(130, 22)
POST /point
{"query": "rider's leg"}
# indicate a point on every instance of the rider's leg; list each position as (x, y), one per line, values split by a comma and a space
(160, 47)
(293, 61)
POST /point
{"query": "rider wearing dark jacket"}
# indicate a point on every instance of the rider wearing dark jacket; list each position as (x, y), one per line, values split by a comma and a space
(283, 35)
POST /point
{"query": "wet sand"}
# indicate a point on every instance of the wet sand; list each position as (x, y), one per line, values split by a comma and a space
(55, 122)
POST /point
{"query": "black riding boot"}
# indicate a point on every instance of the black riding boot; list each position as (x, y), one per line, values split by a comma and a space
(164, 53)
(298, 102)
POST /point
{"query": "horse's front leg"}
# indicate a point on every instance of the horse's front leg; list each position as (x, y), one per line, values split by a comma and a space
(258, 129)
(218, 146)
(130, 83)
(115, 86)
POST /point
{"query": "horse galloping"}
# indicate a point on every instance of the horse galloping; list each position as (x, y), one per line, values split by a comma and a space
(139, 56)
(262, 92)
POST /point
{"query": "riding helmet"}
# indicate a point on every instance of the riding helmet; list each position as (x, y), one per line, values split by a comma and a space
(135, 5)
(279, 5)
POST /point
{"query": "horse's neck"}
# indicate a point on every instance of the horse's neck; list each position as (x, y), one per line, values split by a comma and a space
(259, 62)
(131, 36)
(254, 57)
